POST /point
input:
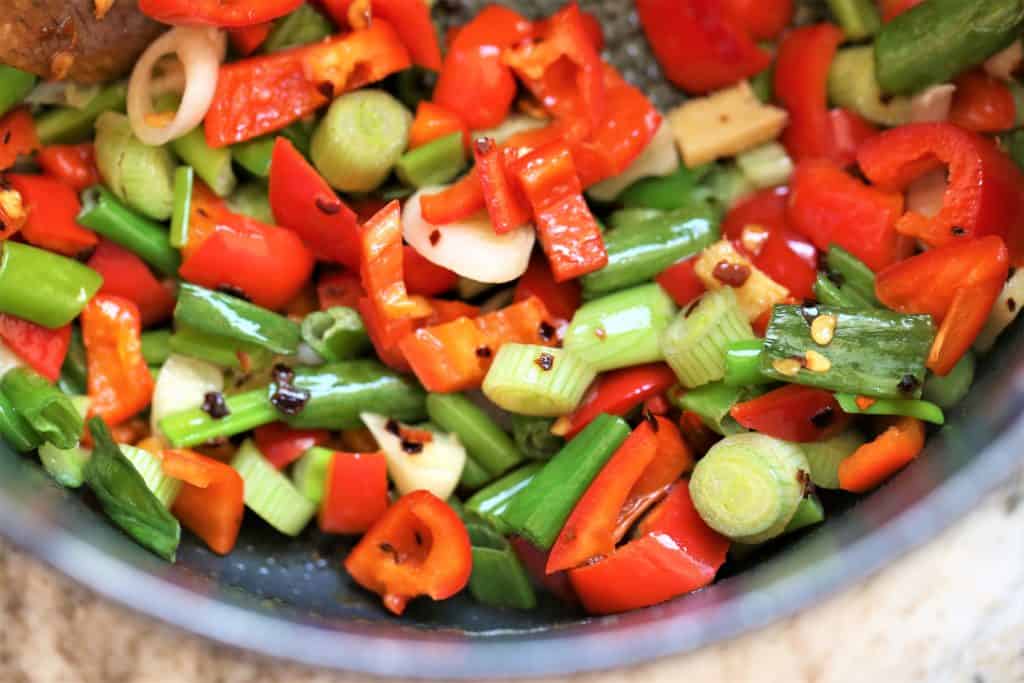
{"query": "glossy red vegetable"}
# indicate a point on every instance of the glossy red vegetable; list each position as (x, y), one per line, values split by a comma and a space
(73, 165)
(876, 461)
(217, 12)
(380, 266)
(283, 445)
(763, 19)
(411, 20)
(680, 281)
(387, 333)
(849, 131)
(356, 493)
(126, 275)
(42, 348)
(702, 45)
(893, 8)
(17, 136)
(985, 194)
(561, 299)
(619, 391)
(211, 502)
(506, 205)
(341, 288)
(983, 103)
(52, 209)
(248, 39)
(304, 202)
(419, 547)
(793, 413)
(423, 277)
(432, 122)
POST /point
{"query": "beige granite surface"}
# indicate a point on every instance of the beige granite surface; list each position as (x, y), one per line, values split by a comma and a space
(952, 611)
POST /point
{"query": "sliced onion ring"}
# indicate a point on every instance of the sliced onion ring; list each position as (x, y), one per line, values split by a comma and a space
(201, 51)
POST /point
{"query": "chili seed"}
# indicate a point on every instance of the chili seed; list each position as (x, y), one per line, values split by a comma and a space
(790, 367)
(823, 329)
(817, 362)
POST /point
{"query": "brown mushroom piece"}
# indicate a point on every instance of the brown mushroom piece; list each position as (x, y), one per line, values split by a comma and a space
(59, 39)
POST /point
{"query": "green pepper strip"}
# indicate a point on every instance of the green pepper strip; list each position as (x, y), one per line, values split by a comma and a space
(43, 287)
(104, 213)
(228, 316)
(922, 410)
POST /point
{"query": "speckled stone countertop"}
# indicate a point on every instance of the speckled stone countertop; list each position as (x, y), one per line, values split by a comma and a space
(952, 611)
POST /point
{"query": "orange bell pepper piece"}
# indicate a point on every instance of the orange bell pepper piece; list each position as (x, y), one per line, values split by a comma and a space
(212, 499)
(876, 461)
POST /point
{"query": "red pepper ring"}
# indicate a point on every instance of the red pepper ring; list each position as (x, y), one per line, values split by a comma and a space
(419, 547)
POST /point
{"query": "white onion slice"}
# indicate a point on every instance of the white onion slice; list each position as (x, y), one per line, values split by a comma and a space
(659, 158)
(201, 51)
(182, 385)
(1005, 63)
(932, 104)
(437, 468)
(926, 194)
(469, 247)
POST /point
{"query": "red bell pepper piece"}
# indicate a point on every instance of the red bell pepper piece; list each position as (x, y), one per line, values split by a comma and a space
(42, 348)
(680, 281)
(956, 285)
(268, 264)
(763, 19)
(893, 8)
(385, 334)
(126, 275)
(765, 208)
(566, 229)
(259, 95)
(120, 384)
(381, 266)
(793, 413)
(419, 547)
(473, 83)
(282, 445)
(505, 204)
(986, 188)
(248, 39)
(217, 12)
(697, 434)
(303, 202)
(801, 81)
(411, 19)
(830, 206)
(849, 131)
(561, 299)
(701, 44)
(342, 288)
(876, 461)
(461, 200)
(52, 209)
(356, 494)
(455, 356)
(594, 30)
(432, 122)
(73, 165)
(619, 391)
(17, 136)
(211, 502)
(983, 103)
(423, 277)
(676, 553)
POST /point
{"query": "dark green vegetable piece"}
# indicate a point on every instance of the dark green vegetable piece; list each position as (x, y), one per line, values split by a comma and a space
(940, 39)
(534, 438)
(498, 579)
(51, 413)
(540, 509)
(743, 363)
(853, 278)
(922, 410)
(67, 124)
(14, 85)
(1014, 145)
(125, 498)
(336, 334)
(156, 346)
(228, 316)
(676, 191)
(489, 503)
(74, 373)
(947, 391)
(873, 353)
(486, 443)
(222, 351)
(473, 475)
(859, 19)
(43, 287)
(303, 26)
(712, 403)
(434, 163)
(104, 213)
(255, 155)
(15, 429)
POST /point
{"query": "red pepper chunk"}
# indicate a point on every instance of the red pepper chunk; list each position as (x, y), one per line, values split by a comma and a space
(419, 547)
(42, 348)
(17, 136)
(387, 333)
(793, 413)
(505, 204)
(701, 44)
(985, 193)
(217, 12)
(342, 288)
(211, 503)
(830, 206)
(283, 445)
(52, 209)
(120, 384)
(680, 281)
(73, 165)
(983, 103)
(675, 553)
(356, 494)
(849, 131)
(763, 19)
(561, 299)
(423, 277)
(260, 95)
(566, 229)
(432, 122)
(126, 275)
(248, 39)
(619, 391)
(380, 266)
(411, 19)
(893, 8)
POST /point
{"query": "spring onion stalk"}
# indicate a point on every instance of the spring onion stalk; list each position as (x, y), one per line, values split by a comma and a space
(498, 578)
(183, 384)
(473, 476)
(743, 363)
(65, 465)
(152, 470)
(251, 199)
(824, 457)
(852, 84)
(303, 26)
(676, 191)
(336, 334)
(15, 429)
(15, 84)
(104, 213)
(859, 19)
(539, 510)
(637, 254)
(948, 391)
(940, 39)
(1004, 311)
(43, 287)
(712, 403)
(628, 218)
(221, 351)
(138, 174)
(309, 475)
(126, 499)
(766, 166)
(194, 427)
(360, 140)
(486, 443)
(534, 438)
(227, 316)
(156, 346)
(748, 486)
(621, 329)
(74, 372)
(50, 412)
(434, 466)
(255, 155)
(809, 512)
(694, 344)
(879, 354)
(435, 163)
(829, 293)
(536, 380)
(922, 410)
(491, 502)
(213, 165)
(727, 185)
(184, 180)
(270, 494)
(68, 125)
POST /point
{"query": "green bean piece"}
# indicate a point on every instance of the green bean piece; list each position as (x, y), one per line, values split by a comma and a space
(255, 155)
(67, 125)
(539, 510)
(486, 443)
(434, 163)
(194, 427)
(628, 218)
(74, 372)
(498, 579)
(679, 190)
(222, 351)
(940, 39)
(303, 26)
(824, 457)
(104, 213)
(922, 410)
(50, 412)
(126, 499)
(829, 293)
(743, 363)
(212, 164)
(228, 316)
(637, 254)
(859, 19)
(852, 84)
(809, 512)
(184, 181)
(15, 429)
(251, 199)
(140, 175)
(156, 346)
(748, 486)
(336, 334)
(43, 287)
(948, 391)
(534, 438)
(852, 272)
(712, 403)
(14, 85)
(360, 140)
(473, 475)
(489, 503)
